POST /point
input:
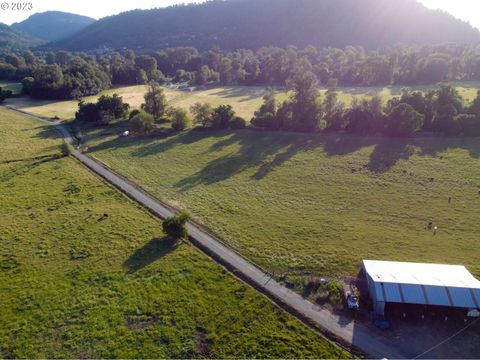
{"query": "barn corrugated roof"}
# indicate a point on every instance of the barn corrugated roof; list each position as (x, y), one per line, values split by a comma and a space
(419, 283)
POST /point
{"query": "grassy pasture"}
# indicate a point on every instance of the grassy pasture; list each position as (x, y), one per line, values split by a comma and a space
(75, 284)
(245, 100)
(15, 87)
(315, 204)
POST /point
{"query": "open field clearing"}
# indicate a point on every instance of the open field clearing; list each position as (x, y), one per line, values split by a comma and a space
(245, 100)
(85, 273)
(15, 87)
(314, 204)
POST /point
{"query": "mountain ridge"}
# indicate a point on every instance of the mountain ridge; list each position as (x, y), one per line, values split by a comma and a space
(13, 39)
(53, 25)
(234, 24)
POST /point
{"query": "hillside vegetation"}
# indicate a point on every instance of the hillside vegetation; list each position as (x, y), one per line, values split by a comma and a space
(14, 40)
(85, 273)
(251, 24)
(314, 204)
(53, 25)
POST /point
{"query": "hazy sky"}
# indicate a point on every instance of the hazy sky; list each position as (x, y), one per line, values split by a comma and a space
(93, 8)
(468, 10)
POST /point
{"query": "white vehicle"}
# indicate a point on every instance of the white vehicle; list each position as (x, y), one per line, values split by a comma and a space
(126, 133)
(475, 313)
(352, 301)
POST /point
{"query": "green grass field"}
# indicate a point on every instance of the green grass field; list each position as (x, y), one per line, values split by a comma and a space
(315, 204)
(15, 87)
(75, 284)
(245, 100)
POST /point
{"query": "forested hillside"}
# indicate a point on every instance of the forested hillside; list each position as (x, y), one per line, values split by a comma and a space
(11, 39)
(53, 25)
(252, 24)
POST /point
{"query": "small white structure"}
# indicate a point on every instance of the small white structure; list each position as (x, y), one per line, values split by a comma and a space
(126, 133)
(424, 284)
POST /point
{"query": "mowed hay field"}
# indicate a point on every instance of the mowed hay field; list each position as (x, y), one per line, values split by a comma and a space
(76, 284)
(245, 100)
(315, 204)
(15, 87)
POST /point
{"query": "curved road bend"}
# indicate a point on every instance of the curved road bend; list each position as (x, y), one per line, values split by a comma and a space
(370, 342)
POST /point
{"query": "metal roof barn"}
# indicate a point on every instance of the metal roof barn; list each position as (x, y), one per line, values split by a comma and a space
(423, 284)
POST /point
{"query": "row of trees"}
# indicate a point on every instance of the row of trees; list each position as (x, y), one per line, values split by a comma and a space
(67, 75)
(156, 110)
(441, 111)
(351, 66)
(5, 94)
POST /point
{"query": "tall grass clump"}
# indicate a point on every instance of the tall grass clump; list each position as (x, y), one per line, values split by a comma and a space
(175, 226)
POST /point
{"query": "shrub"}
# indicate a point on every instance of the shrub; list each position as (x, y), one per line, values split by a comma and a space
(360, 121)
(469, 124)
(312, 284)
(7, 71)
(182, 76)
(335, 290)
(447, 125)
(142, 122)
(284, 117)
(107, 109)
(180, 119)
(403, 121)
(222, 116)
(238, 123)
(133, 113)
(87, 112)
(266, 121)
(265, 116)
(155, 101)
(4, 94)
(113, 106)
(202, 114)
(27, 85)
(66, 149)
(164, 120)
(175, 226)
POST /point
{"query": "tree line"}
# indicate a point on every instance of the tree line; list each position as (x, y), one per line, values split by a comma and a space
(438, 111)
(156, 111)
(65, 75)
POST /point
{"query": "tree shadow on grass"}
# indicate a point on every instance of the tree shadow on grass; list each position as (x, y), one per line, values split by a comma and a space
(243, 93)
(156, 249)
(118, 142)
(47, 132)
(338, 144)
(165, 143)
(434, 146)
(387, 154)
(26, 167)
(155, 144)
(254, 148)
(267, 151)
